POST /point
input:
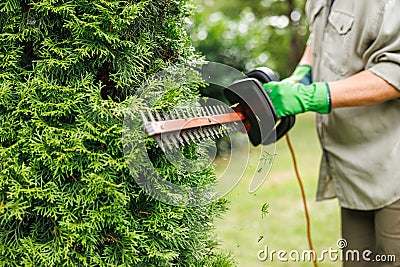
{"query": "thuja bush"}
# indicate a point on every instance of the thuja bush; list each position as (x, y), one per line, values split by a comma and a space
(68, 70)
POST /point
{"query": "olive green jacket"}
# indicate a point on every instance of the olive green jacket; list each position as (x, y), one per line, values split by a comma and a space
(361, 145)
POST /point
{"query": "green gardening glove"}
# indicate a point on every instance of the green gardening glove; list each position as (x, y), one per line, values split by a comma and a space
(301, 74)
(291, 98)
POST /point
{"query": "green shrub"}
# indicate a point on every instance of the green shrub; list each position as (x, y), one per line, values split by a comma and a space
(68, 69)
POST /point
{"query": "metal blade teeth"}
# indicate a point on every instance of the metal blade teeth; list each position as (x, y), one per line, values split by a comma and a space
(159, 142)
(143, 116)
(195, 112)
(180, 140)
(201, 133)
(177, 114)
(198, 132)
(184, 136)
(216, 112)
(191, 136)
(208, 112)
(190, 112)
(165, 140)
(172, 115)
(221, 109)
(150, 115)
(176, 139)
(165, 116)
(216, 132)
(196, 135)
(158, 116)
(147, 118)
(205, 130)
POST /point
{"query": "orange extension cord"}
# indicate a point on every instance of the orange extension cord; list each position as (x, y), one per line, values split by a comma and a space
(303, 196)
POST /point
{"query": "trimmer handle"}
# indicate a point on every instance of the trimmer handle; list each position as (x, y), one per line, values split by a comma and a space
(266, 75)
(257, 107)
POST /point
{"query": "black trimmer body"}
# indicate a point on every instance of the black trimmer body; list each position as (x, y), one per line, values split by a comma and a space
(263, 126)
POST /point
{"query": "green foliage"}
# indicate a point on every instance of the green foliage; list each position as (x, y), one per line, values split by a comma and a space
(68, 70)
(246, 34)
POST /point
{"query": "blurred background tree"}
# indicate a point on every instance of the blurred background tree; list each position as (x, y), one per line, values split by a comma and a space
(246, 34)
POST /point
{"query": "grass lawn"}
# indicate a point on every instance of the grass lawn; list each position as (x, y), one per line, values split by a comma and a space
(244, 230)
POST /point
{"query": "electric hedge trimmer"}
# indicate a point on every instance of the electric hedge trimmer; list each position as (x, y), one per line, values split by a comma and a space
(252, 108)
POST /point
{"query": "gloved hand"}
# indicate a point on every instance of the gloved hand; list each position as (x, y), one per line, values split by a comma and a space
(301, 74)
(291, 98)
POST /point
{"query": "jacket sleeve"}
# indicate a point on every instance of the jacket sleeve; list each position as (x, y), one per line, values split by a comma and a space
(383, 55)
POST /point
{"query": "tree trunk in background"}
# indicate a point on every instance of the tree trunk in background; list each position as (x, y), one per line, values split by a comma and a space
(296, 44)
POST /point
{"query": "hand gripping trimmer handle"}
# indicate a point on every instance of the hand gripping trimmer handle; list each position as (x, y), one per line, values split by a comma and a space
(257, 107)
(265, 75)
